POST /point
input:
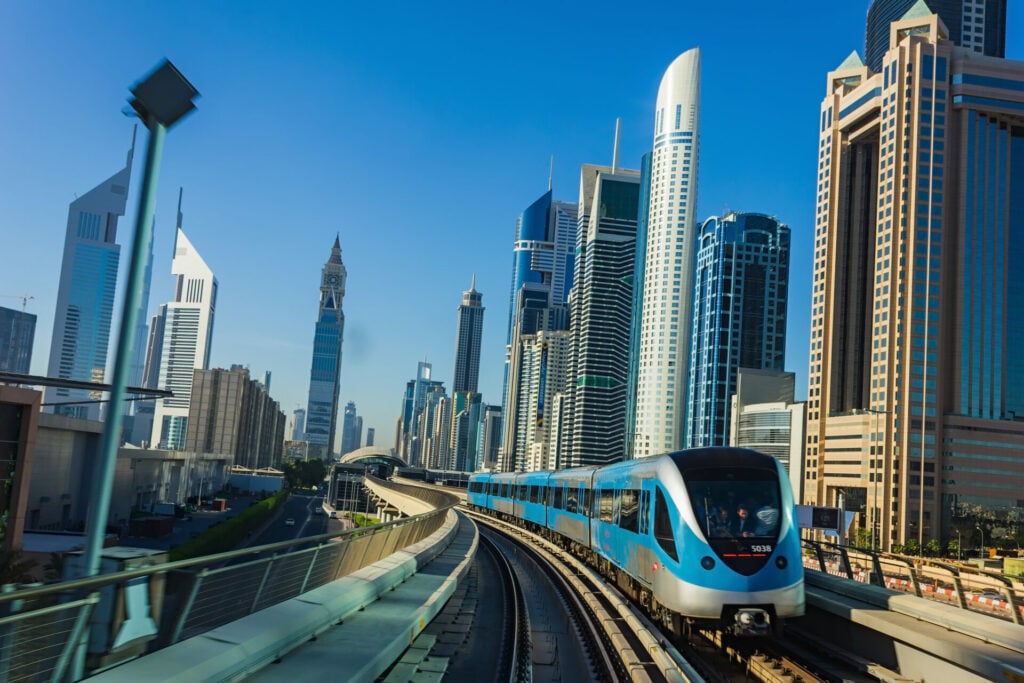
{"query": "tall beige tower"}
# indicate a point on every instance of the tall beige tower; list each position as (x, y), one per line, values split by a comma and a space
(915, 394)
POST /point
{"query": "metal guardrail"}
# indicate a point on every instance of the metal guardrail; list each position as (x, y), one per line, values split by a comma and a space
(40, 625)
(961, 586)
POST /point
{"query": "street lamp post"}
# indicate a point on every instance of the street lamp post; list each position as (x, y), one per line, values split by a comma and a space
(958, 545)
(978, 527)
(161, 99)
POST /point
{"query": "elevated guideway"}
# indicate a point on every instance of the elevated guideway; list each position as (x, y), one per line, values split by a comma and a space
(898, 637)
(352, 628)
(366, 593)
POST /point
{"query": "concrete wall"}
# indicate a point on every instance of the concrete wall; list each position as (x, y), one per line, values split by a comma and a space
(65, 453)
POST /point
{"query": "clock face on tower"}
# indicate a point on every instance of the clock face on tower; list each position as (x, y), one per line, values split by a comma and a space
(331, 280)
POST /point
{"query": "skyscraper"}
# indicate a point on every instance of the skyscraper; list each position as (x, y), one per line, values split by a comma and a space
(299, 424)
(638, 301)
(349, 437)
(409, 443)
(370, 435)
(234, 414)
(542, 276)
(17, 333)
(602, 310)
(978, 25)
(325, 373)
(542, 372)
(142, 420)
(466, 424)
(740, 297)
(664, 346)
(187, 339)
(915, 395)
(490, 438)
(85, 295)
(468, 335)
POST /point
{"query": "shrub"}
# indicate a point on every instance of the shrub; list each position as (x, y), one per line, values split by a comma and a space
(228, 534)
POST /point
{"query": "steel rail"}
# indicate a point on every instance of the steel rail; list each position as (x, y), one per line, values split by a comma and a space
(518, 663)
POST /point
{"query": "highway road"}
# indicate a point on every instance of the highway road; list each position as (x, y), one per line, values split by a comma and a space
(299, 507)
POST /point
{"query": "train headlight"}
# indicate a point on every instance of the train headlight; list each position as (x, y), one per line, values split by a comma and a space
(707, 562)
(781, 562)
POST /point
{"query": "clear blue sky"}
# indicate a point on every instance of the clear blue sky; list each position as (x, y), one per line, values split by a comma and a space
(417, 131)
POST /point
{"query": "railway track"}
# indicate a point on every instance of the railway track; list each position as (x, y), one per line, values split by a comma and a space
(514, 663)
(646, 652)
(622, 645)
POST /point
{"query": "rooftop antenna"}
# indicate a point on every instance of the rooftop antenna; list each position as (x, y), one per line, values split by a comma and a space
(551, 171)
(174, 248)
(131, 150)
(615, 151)
(181, 191)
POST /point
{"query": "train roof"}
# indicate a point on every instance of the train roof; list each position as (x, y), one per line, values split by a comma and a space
(723, 456)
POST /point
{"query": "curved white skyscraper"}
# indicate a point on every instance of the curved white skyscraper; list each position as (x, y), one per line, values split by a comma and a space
(668, 268)
(187, 324)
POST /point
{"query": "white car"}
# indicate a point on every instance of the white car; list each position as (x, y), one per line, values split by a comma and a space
(290, 521)
(318, 511)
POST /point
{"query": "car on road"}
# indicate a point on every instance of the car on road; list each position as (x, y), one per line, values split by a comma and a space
(290, 521)
(334, 514)
(318, 511)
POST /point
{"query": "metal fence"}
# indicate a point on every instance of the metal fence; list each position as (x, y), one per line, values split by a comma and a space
(966, 587)
(40, 626)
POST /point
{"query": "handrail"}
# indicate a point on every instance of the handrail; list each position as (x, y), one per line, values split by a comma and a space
(117, 577)
(910, 567)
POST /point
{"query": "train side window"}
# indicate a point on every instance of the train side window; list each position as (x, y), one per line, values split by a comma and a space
(585, 502)
(628, 512)
(559, 497)
(645, 512)
(606, 505)
(663, 525)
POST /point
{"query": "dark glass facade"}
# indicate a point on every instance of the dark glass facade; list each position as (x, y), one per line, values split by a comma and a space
(17, 332)
(740, 303)
(970, 22)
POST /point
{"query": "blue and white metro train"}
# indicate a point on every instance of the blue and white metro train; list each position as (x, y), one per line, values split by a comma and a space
(704, 537)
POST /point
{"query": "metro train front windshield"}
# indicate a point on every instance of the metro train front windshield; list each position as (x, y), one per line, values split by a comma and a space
(739, 513)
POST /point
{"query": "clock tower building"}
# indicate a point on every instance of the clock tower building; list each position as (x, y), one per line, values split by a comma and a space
(325, 373)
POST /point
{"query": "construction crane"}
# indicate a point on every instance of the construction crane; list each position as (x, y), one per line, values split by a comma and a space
(25, 298)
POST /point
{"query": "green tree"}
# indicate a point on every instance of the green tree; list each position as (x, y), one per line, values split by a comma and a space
(862, 538)
(304, 473)
(932, 548)
(911, 547)
(953, 548)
